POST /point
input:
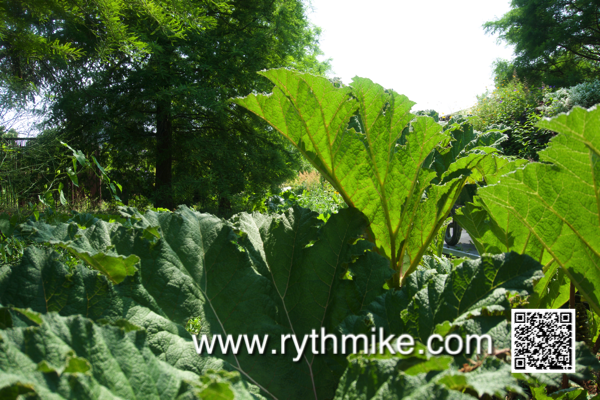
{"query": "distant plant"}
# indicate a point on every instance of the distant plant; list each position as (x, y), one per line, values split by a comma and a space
(140, 202)
(584, 95)
(516, 107)
(429, 113)
(308, 180)
(556, 102)
(51, 202)
(55, 187)
(40, 175)
(308, 190)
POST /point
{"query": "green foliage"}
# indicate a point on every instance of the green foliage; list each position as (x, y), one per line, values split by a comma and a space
(40, 175)
(466, 150)
(556, 41)
(38, 34)
(549, 210)
(324, 202)
(470, 298)
(12, 243)
(254, 274)
(375, 162)
(514, 107)
(141, 284)
(423, 377)
(308, 190)
(429, 113)
(144, 110)
(584, 95)
(557, 102)
(562, 71)
(237, 270)
(40, 39)
(73, 357)
(417, 377)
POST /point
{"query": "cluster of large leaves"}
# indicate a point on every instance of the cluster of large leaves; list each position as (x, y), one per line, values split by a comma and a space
(472, 298)
(420, 376)
(255, 274)
(550, 210)
(366, 143)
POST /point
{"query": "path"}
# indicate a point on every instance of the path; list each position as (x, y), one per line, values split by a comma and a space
(464, 247)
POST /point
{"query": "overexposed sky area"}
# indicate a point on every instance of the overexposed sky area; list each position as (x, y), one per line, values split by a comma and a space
(433, 51)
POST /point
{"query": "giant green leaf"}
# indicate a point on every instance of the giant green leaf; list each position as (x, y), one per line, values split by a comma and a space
(44, 284)
(499, 232)
(360, 139)
(553, 290)
(468, 291)
(57, 357)
(558, 202)
(263, 275)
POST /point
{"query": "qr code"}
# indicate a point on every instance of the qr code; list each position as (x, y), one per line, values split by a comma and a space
(543, 341)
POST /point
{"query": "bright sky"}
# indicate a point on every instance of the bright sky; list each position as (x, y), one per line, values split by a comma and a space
(433, 51)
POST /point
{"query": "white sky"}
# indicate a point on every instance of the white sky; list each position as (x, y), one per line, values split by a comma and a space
(433, 51)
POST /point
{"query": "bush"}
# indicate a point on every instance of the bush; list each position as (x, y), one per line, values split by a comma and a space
(584, 95)
(308, 190)
(515, 107)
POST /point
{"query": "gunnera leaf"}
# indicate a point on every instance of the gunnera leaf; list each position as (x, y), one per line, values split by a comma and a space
(399, 377)
(45, 285)
(72, 357)
(106, 260)
(255, 275)
(471, 299)
(558, 202)
(362, 140)
(464, 149)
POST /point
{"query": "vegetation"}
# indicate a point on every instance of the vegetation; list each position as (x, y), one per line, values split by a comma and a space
(309, 190)
(134, 107)
(557, 42)
(515, 108)
(372, 161)
(538, 226)
(584, 95)
(109, 292)
(169, 198)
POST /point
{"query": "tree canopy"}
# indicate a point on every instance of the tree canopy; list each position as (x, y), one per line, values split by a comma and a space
(158, 112)
(556, 41)
(38, 36)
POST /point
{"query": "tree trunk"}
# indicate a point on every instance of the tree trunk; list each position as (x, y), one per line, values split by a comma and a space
(164, 155)
(224, 210)
(164, 127)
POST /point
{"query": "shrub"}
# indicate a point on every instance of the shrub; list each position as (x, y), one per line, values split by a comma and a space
(584, 95)
(429, 113)
(308, 190)
(514, 106)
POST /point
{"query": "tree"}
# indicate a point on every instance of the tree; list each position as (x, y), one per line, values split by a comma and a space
(556, 41)
(146, 109)
(39, 36)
